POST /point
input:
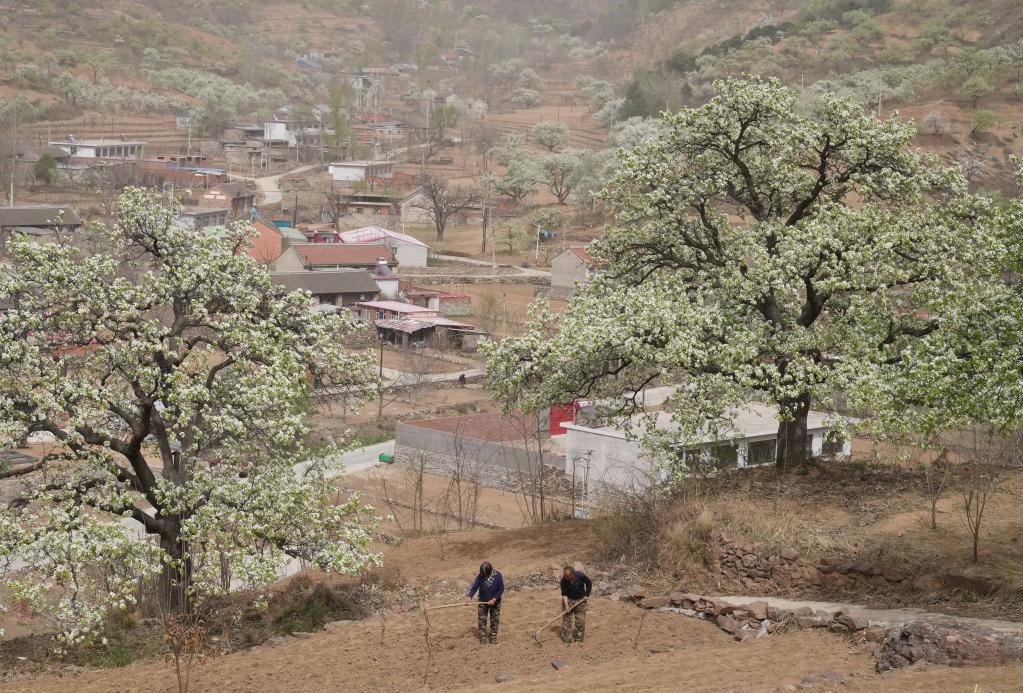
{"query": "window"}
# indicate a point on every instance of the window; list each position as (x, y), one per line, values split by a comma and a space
(834, 444)
(761, 452)
(724, 456)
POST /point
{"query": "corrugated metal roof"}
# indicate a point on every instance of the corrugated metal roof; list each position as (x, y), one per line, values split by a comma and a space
(321, 282)
(38, 216)
(369, 234)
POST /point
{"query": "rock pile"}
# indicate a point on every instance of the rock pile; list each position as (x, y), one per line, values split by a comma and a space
(947, 641)
(752, 620)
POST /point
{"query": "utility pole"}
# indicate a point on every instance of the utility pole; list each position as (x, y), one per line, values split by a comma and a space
(15, 124)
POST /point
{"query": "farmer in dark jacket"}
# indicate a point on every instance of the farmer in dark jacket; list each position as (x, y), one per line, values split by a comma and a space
(575, 590)
(490, 586)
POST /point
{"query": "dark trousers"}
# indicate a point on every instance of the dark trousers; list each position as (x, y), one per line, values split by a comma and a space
(574, 631)
(492, 612)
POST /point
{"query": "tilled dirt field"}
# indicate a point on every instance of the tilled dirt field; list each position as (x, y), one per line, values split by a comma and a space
(672, 653)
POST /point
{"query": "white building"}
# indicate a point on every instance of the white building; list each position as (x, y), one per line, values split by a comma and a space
(277, 132)
(361, 171)
(407, 250)
(102, 149)
(606, 456)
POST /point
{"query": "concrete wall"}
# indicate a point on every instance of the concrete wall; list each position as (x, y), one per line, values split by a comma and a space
(596, 460)
(499, 461)
(410, 255)
(567, 268)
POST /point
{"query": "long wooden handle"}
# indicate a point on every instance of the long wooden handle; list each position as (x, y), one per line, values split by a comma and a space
(561, 616)
(448, 606)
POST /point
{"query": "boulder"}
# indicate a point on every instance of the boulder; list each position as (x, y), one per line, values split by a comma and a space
(728, 624)
(684, 598)
(892, 575)
(501, 678)
(636, 592)
(758, 610)
(928, 584)
(655, 602)
(789, 554)
(959, 579)
(559, 664)
(852, 622)
(802, 611)
(947, 641)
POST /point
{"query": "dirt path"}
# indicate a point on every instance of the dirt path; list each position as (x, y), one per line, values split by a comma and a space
(881, 617)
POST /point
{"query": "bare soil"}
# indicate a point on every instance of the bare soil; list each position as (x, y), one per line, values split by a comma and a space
(669, 652)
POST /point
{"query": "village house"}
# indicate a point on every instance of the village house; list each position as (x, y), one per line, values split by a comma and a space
(407, 250)
(416, 209)
(368, 172)
(102, 149)
(344, 287)
(569, 268)
(203, 217)
(387, 281)
(447, 303)
(46, 224)
(406, 325)
(606, 457)
(377, 205)
(319, 256)
(235, 196)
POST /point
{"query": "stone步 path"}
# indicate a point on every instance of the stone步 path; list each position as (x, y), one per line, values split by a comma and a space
(879, 617)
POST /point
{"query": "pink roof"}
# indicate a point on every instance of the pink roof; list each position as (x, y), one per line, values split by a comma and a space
(396, 307)
(371, 234)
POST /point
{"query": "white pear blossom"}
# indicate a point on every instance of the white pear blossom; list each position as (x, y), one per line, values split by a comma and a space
(173, 376)
(759, 251)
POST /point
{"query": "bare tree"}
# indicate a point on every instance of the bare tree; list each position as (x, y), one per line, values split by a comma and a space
(936, 477)
(524, 460)
(465, 470)
(441, 200)
(985, 457)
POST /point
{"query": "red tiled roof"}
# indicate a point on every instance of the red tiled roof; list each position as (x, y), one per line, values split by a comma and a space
(583, 254)
(493, 428)
(360, 255)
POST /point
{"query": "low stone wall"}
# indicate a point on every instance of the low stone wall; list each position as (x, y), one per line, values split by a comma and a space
(753, 568)
(459, 278)
(933, 639)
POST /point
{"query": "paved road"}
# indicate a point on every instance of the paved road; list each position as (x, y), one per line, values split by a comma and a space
(400, 377)
(881, 617)
(358, 460)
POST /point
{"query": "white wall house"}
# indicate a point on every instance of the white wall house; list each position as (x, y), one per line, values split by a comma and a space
(606, 457)
(361, 171)
(408, 250)
(276, 132)
(102, 149)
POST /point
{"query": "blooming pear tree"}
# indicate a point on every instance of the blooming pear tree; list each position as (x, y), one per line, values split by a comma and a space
(758, 251)
(173, 376)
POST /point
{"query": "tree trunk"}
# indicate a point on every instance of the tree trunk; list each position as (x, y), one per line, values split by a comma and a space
(175, 579)
(792, 447)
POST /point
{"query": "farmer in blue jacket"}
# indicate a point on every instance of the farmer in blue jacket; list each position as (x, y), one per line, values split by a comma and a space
(490, 586)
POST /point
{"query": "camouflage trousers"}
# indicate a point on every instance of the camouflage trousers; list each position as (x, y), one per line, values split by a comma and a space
(570, 631)
(494, 614)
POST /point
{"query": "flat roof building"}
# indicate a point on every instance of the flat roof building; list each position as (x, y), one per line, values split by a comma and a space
(132, 150)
